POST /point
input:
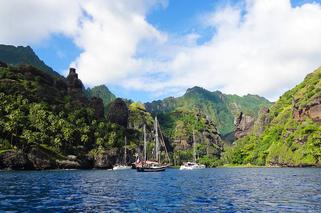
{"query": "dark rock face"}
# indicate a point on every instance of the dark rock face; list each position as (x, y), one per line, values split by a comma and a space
(68, 164)
(312, 110)
(74, 84)
(15, 160)
(98, 106)
(76, 88)
(41, 159)
(118, 112)
(35, 158)
(244, 125)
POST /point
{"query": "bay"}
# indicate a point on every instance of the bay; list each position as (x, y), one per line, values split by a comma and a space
(207, 190)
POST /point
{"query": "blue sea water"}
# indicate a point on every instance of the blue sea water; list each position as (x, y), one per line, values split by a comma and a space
(208, 190)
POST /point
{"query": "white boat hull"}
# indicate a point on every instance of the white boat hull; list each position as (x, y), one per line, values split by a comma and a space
(192, 166)
(121, 167)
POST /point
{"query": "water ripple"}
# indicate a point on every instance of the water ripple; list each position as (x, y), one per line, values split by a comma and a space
(209, 190)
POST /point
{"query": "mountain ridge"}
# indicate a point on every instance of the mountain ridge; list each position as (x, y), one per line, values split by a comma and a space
(221, 108)
(18, 55)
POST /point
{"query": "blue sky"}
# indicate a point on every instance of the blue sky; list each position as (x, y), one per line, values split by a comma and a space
(175, 27)
(177, 18)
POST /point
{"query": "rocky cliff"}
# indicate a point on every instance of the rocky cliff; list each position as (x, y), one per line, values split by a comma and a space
(311, 110)
(288, 133)
(244, 125)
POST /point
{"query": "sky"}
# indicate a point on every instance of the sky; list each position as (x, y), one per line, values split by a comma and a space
(150, 49)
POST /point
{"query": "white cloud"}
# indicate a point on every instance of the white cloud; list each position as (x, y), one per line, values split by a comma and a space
(110, 37)
(262, 46)
(30, 21)
(267, 51)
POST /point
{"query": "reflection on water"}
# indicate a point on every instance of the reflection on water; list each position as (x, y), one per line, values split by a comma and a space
(208, 190)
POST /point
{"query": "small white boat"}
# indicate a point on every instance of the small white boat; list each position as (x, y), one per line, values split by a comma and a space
(192, 166)
(121, 167)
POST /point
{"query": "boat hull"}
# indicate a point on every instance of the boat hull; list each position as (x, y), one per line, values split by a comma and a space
(192, 166)
(121, 167)
(146, 169)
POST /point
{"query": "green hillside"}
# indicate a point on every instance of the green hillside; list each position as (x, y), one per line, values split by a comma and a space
(219, 107)
(102, 92)
(19, 55)
(293, 136)
(48, 122)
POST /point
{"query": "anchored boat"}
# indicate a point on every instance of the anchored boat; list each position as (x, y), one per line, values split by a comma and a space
(192, 165)
(124, 165)
(153, 166)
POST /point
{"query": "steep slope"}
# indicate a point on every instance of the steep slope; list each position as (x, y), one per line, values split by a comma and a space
(102, 92)
(48, 122)
(19, 55)
(292, 135)
(220, 108)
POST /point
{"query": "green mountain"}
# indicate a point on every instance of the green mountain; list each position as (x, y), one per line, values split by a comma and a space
(48, 122)
(222, 109)
(19, 55)
(102, 92)
(292, 137)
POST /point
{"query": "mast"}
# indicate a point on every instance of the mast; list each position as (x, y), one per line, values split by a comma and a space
(194, 147)
(163, 144)
(145, 144)
(156, 141)
(125, 155)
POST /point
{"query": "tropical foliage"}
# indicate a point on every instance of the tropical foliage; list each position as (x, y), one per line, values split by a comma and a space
(287, 140)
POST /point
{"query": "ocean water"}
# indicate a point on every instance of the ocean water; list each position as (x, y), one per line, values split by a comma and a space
(208, 190)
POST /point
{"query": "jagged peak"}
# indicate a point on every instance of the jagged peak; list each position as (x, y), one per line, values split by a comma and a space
(101, 86)
(196, 89)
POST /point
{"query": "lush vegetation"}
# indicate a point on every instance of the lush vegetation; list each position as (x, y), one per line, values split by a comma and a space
(288, 140)
(41, 109)
(37, 111)
(221, 108)
(178, 127)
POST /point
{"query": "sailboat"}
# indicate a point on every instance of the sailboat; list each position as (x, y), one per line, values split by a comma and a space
(124, 165)
(153, 166)
(192, 165)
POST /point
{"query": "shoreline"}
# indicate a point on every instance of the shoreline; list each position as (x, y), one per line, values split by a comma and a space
(269, 166)
(228, 166)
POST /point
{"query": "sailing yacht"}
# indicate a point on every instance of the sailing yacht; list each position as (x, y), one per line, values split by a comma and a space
(124, 165)
(153, 166)
(192, 165)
